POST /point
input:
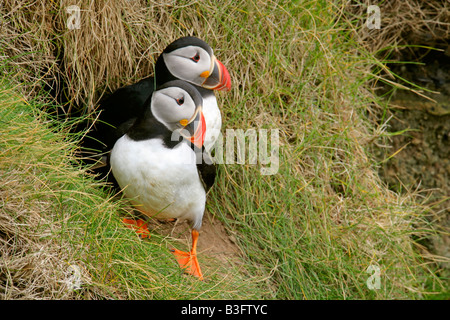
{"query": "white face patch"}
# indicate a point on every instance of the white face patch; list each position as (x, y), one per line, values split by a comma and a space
(188, 63)
(171, 105)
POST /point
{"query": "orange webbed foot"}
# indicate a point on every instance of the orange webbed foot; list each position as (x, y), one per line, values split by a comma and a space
(140, 226)
(188, 262)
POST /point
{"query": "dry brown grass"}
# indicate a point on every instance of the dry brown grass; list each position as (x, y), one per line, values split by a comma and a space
(411, 23)
(117, 43)
(31, 265)
(408, 31)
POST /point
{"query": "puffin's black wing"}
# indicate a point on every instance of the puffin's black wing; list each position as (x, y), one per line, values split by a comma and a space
(207, 171)
(118, 113)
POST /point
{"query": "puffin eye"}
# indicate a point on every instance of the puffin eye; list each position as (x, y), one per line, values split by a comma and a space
(180, 101)
(196, 58)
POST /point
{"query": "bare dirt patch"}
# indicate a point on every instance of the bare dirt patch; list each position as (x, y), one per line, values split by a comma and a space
(214, 241)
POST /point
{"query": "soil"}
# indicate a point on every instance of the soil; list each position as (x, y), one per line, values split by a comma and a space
(422, 154)
(214, 241)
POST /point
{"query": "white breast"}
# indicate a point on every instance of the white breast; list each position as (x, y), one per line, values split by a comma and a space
(159, 181)
(213, 121)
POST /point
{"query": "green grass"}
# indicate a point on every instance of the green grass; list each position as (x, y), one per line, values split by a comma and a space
(308, 232)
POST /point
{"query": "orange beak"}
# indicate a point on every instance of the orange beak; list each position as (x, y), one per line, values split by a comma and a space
(219, 79)
(199, 135)
(197, 128)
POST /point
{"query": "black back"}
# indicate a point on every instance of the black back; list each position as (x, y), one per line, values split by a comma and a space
(117, 113)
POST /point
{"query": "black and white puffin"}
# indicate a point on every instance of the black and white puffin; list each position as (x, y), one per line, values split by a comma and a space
(188, 58)
(155, 163)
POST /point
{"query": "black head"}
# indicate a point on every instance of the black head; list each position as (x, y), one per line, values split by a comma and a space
(188, 41)
(174, 111)
(192, 59)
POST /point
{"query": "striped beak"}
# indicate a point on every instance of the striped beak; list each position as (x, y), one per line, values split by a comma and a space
(218, 79)
(196, 128)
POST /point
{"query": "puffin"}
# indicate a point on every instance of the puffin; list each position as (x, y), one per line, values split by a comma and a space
(155, 165)
(188, 58)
